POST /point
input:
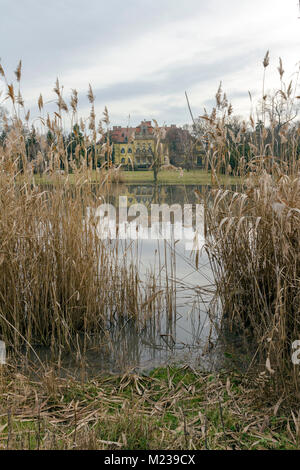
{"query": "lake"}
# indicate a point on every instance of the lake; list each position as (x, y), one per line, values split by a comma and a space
(179, 278)
(180, 330)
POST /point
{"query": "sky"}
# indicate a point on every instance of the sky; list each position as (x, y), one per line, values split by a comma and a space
(140, 56)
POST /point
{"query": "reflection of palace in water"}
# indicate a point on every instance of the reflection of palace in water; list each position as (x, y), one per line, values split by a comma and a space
(158, 194)
(140, 194)
(144, 194)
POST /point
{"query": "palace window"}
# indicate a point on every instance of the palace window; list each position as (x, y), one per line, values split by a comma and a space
(130, 150)
(122, 150)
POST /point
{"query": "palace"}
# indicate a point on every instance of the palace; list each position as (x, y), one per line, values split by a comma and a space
(135, 147)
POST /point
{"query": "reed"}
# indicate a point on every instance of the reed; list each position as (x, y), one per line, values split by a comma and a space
(253, 235)
(60, 282)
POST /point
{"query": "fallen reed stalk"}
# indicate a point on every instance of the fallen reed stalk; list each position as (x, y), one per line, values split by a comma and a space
(172, 408)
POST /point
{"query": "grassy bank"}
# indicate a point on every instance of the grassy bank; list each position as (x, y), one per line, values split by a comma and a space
(168, 409)
(171, 177)
(136, 177)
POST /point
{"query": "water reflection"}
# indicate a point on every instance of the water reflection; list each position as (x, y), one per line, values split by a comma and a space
(179, 329)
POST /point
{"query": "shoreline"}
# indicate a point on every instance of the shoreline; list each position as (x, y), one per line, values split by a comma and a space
(197, 177)
(175, 408)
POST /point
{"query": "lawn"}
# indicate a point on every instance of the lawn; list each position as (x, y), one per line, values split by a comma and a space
(164, 177)
(173, 177)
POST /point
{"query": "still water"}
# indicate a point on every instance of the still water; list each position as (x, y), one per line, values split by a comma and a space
(180, 330)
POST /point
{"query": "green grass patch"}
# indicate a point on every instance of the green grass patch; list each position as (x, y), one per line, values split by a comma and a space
(169, 408)
(199, 177)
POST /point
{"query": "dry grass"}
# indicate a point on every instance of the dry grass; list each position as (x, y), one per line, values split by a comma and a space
(254, 244)
(253, 236)
(60, 285)
(169, 409)
(58, 279)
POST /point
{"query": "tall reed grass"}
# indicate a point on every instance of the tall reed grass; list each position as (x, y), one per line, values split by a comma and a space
(253, 235)
(58, 279)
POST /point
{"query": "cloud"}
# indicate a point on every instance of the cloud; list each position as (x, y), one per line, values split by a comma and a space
(175, 79)
(141, 55)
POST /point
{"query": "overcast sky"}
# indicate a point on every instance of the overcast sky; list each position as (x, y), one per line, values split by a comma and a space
(141, 55)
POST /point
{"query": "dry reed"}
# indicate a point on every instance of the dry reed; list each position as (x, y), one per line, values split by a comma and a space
(253, 235)
(58, 279)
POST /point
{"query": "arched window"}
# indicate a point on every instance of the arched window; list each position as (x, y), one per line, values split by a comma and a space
(122, 150)
(130, 150)
(123, 160)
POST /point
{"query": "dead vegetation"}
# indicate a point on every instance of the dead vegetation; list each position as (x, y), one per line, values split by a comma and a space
(253, 235)
(169, 409)
(59, 281)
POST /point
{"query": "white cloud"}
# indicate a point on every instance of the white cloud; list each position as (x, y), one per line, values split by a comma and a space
(140, 59)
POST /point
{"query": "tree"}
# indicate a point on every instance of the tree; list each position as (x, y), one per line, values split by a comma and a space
(181, 145)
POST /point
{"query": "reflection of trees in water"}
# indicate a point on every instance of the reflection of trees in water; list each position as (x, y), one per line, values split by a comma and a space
(157, 193)
(129, 342)
(148, 194)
